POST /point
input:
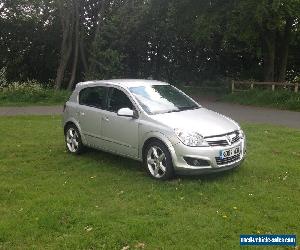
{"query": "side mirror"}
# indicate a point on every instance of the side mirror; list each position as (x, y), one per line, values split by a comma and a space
(126, 112)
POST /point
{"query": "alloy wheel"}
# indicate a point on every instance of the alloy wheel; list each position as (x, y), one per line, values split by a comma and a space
(72, 140)
(156, 162)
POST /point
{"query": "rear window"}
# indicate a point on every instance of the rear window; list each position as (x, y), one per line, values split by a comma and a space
(93, 97)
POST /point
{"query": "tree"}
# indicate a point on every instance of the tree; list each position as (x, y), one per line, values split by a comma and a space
(80, 22)
(76, 46)
(172, 40)
(271, 24)
(67, 17)
(114, 47)
(266, 27)
(29, 41)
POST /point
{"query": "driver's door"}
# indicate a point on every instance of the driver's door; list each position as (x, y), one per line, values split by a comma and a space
(119, 134)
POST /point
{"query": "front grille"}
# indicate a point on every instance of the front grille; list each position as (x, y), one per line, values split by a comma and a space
(228, 160)
(223, 140)
(217, 143)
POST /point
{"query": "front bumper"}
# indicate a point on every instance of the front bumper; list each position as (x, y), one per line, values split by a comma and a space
(208, 154)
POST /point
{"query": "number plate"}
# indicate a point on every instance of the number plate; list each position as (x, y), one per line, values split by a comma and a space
(230, 152)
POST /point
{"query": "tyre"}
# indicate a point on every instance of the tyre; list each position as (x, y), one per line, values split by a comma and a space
(73, 140)
(158, 161)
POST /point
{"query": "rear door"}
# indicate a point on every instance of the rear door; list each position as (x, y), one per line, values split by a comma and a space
(120, 134)
(92, 102)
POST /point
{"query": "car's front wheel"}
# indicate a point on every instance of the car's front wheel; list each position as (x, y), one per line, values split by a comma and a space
(158, 161)
(73, 140)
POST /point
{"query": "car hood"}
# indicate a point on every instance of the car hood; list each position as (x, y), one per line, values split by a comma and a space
(203, 121)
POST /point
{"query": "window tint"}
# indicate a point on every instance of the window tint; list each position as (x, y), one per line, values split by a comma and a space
(93, 97)
(118, 100)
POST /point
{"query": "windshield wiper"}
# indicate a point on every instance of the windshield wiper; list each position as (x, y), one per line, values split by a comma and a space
(188, 108)
(173, 111)
(182, 109)
(177, 110)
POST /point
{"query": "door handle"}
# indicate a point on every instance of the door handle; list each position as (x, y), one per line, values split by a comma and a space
(81, 113)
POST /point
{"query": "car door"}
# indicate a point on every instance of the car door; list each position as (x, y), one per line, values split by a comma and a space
(120, 134)
(92, 102)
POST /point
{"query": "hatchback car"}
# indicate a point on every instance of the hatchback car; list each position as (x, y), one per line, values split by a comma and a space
(152, 122)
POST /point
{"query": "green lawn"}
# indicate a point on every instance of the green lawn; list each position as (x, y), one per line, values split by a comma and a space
(52, 200)
(30, 98)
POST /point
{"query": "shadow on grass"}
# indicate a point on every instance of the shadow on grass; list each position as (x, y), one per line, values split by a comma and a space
(210, 177)
(113, 160)
(134, 166)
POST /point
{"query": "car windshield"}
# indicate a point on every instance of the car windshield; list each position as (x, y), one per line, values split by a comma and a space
(160, 99)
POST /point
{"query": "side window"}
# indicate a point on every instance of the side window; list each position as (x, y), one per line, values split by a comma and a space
(93, 97)
(118, 99)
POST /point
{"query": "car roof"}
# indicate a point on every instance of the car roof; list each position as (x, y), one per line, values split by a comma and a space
(127, 83)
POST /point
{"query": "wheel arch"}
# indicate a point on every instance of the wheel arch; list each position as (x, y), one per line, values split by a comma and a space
(157, 136)
(76, 124)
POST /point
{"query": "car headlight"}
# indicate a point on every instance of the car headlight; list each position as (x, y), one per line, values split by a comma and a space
(191, 139)
(241, 134)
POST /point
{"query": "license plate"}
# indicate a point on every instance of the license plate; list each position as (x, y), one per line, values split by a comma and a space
(230, 152)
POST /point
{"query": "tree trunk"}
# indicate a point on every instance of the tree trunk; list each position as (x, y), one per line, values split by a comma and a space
(269, 48)
(283, 49)
(61, 67)
(82, 53)
(66, 53)
(75, 62)
(67, 21)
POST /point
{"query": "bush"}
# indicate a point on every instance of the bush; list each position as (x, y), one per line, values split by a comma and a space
(30, 92)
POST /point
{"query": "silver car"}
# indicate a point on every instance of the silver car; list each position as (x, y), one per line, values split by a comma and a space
(152, 122)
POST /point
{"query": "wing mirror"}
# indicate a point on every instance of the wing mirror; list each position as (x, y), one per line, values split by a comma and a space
(127, 112)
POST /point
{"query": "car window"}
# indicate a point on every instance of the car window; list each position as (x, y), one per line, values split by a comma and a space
(118, 99)
(93, 97)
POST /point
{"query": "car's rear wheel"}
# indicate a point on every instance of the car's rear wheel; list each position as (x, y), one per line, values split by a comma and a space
(158, 161)
(73, 140)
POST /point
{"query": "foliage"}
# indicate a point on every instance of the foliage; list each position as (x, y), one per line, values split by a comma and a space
(116, 47)
(52, 200)
(197, 40)
(177, 41)
(30, 86)
(29, 93)
(29, 39)
(3, 77)
(256, 33)
(106, 64)
(282, 99)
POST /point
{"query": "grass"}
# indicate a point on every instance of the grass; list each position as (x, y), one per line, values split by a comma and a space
(29, 98)
(52, 200)
(278, 99)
